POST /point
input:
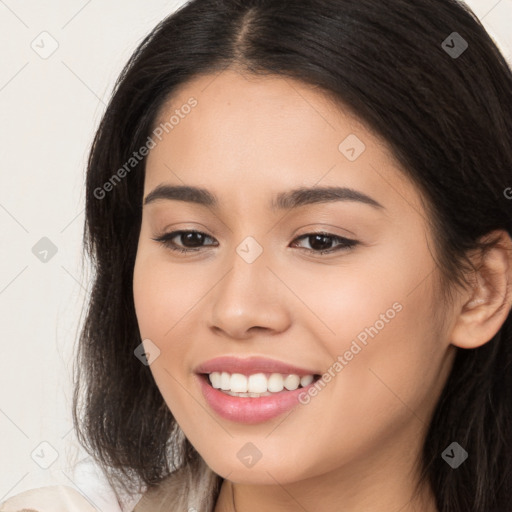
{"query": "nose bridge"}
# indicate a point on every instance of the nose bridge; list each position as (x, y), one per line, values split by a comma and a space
(246, 284)
(247, 296)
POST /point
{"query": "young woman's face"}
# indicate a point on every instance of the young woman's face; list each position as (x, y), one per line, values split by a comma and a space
(255, 284)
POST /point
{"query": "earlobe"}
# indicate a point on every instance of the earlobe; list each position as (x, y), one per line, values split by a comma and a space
(488, 302)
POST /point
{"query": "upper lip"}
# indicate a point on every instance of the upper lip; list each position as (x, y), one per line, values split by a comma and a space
(250, 365)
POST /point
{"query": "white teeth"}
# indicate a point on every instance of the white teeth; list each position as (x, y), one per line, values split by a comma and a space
(215, 379)
(292, 382)
(225, 380)
(258, 384)
(306, 380)
(238, 383)
(275, 383)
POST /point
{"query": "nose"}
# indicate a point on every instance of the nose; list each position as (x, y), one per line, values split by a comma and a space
(249, 299)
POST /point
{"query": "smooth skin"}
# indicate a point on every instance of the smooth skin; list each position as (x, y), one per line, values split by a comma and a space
(353, 447)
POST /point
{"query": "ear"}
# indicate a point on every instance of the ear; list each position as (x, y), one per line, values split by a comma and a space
(487, 304)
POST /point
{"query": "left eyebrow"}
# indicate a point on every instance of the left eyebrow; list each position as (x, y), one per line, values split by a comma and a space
(288, 200)
(303, 196)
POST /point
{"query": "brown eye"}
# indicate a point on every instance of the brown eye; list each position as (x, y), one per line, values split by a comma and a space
(190, 240)
(321, 243)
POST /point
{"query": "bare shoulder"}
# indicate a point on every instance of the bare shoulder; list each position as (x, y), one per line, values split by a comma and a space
(55, 498)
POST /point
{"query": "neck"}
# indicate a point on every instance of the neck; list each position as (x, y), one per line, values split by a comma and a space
(242, 498)
(370, 485)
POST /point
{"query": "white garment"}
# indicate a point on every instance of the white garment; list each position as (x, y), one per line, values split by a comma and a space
(89, 492)
(55, 498)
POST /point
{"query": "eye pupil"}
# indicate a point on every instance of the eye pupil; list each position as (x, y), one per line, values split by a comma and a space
(325, 242)
(191, 237)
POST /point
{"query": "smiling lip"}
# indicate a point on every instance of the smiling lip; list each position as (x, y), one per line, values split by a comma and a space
(246, 409)
(249, 410)
(251, 365)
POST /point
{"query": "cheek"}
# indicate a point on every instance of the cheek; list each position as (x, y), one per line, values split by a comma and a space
(163, 294)
(391, 354)
(339, 303)
(377, 315)
(146, 291)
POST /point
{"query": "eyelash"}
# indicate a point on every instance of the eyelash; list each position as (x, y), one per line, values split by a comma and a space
(345, 243)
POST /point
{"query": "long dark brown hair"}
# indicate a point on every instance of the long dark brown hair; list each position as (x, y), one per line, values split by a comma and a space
(447, 119)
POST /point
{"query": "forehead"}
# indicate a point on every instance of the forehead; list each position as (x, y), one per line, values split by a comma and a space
(265, 130)
(254, 109)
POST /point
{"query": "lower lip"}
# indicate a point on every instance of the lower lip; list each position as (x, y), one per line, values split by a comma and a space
(250, 410)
